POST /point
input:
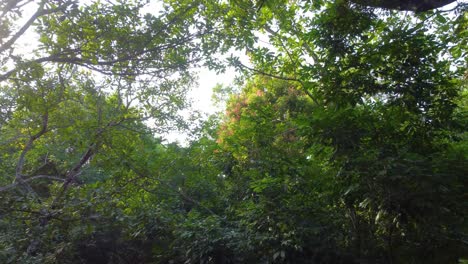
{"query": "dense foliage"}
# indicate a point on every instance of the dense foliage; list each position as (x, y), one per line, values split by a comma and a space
(345, 141)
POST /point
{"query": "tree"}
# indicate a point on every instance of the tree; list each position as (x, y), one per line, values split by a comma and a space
(81, 35)
(278, 177)
(106, 51)
(387, 91)
(79, 95)
(346, 143)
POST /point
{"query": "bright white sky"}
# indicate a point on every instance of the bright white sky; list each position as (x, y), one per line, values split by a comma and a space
(201, 97)
(201, 94)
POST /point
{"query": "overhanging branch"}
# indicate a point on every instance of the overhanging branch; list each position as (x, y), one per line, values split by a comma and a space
(405, 5)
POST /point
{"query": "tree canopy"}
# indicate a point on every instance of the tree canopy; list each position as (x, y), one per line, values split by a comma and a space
(344, 139)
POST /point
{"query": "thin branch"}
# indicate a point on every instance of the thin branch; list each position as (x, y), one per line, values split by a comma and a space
(9, 6)
(280, 38)
(33, 178)
(304, 45)
(19, 179)
(281, 78)
(93, 65)
(74, 172)
(40, 12)
(29, 145)
(12, 5)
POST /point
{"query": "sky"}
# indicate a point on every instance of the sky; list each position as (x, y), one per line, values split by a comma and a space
(201, 92)
(201, 97)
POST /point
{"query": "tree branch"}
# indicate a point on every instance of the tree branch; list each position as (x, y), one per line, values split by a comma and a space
(33, 178)
(405, 5)
(74, 172)
(40, 12)
(19, 179)
(93, 65)
(281, 78)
